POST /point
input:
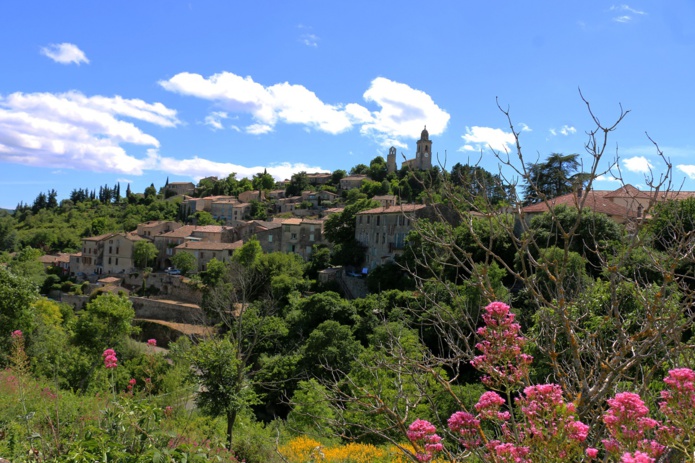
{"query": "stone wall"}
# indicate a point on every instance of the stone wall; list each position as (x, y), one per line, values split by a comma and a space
(153, 309)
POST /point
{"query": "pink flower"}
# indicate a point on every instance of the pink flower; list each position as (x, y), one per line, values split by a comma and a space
(422, 432)
(152, 342)
(638, 457)
(110, 359)
(502, 359)
(489, 404)
(591, 452)
(466, 425)
(628, 424)
(17, 334)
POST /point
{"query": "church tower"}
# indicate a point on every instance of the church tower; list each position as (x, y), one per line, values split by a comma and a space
(391, 160)
(423, 156)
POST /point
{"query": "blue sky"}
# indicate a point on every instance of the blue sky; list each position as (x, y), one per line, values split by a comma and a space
(95, 93)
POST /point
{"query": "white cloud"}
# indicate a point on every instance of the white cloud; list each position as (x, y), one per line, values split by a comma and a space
(198, 168)
(258, 129)
(637, 164)
(64, 53)
(124, 180)
(403, 112)
(523, 127)
(71, 130)
(564, 130)
(214, 119)
(607, 178)
(310, 40)
(687, 169)
(626, 13)
(482, 138)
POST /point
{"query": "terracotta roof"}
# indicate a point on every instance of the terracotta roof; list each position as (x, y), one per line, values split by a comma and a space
(210, 229)
(354, 177)
(334, 210)
(182, 232)
(207, 246)
(596, 200)
(109, 280)
(394, 209)
(291, 221)
(99, 237)
(628, 191)
(267, 225)
(55, 259)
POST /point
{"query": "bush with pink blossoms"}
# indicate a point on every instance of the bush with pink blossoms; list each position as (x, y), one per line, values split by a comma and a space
(425, 439)
(502, 361)
(629, 426)
(677, 404)
(110, 359)
(543, 427)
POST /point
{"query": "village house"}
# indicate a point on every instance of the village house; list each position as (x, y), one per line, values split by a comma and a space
(319, 178)
(351, 181)
(181, 188)
(205, 251)
(625, 204)
(60, 260)
(383, 230)
(156, 227)
(300, 235)
(248, 196)
(91, 259)
(118, 252)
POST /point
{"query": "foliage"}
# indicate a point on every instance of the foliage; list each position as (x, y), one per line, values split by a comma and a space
(225, 389)
(144, 252)
(17, 298)
(554, 177)
(184, 261)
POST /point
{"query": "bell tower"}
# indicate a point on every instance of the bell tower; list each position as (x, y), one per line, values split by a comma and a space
(391, 160)
(423, 156)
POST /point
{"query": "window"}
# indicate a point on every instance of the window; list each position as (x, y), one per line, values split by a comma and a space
(360, 219)
(110, 250)
(270, 238)
(308, 250)
(117, 250)
(311, 228)
(378, 220)
(368, 217)
(109, 261)
(116, 260)
(401, 220)
(383, 238)
(293, 236)
(311, 237)
(202, 254)
(377, 239)
(287, 228)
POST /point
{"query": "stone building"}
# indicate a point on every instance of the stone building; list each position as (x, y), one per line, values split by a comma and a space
(383, 230)
(423, 155)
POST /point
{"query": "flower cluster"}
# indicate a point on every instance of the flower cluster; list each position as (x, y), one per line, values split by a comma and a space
(502, 359)
(17, 334)
(677, 405)
(629, 425)
(152, 342)
(545, 427)
(110, 359)
(423, 435)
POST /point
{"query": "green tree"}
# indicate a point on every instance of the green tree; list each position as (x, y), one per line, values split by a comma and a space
(298, 183)
(106, 322)
(263, 181)
(359, 169)
(144, 253)
(184, 261)
(225, 387)
(203, 218)
(555, 177)
(17, 297)
(378, 169)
